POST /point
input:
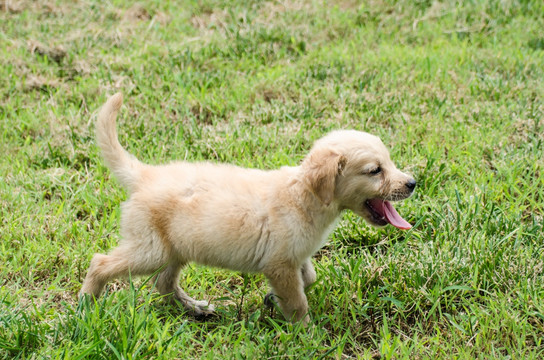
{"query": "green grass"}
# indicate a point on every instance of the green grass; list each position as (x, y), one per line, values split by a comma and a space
(455, 89)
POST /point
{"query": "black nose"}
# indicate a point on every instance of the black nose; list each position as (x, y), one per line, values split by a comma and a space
(411, 184)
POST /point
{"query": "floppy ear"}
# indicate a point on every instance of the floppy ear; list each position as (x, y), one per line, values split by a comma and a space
(321, 166)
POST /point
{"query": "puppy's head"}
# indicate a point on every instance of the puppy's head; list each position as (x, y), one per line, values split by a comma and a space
(354, 170)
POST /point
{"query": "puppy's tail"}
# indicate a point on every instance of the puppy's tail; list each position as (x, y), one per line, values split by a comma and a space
(123, 165)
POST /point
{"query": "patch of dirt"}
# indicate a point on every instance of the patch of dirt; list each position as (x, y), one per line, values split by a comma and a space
(269, 94)
(56, 53)
(137, 13)
(161, 17)
(50, 9)
(272, 10)
(209, 20)
(37, 82)
(81, 67)
(203, 113)
(11, 6)
(42, 7)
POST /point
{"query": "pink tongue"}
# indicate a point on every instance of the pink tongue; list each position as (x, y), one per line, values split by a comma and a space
(385, 209)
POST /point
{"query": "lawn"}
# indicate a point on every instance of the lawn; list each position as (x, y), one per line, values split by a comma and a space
(455, 89)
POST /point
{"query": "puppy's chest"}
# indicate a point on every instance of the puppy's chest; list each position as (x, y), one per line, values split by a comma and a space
(311, 239)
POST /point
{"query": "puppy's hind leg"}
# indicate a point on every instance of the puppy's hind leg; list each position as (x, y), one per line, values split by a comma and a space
(103, 269)
(121, 262)
(308, 273)
(168, 284)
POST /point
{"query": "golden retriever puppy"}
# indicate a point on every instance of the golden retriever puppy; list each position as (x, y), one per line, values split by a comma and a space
(243, 219)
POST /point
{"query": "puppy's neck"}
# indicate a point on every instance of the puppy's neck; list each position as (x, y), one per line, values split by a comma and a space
(315, 211)
(314, 219)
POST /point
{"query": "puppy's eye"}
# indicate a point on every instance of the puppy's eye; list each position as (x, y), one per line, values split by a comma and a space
(375, 171)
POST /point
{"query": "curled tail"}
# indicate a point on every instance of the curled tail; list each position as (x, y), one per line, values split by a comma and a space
(123, 165)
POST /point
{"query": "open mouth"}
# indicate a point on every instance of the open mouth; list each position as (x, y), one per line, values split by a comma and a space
(383, 213)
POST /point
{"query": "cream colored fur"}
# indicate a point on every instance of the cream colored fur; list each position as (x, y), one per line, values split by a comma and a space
(242, 219)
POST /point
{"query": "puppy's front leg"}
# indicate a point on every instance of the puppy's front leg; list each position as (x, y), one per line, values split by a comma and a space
(288, 289)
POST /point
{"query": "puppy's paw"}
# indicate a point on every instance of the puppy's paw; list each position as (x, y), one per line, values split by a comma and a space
(201, 308)
(270, 300)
